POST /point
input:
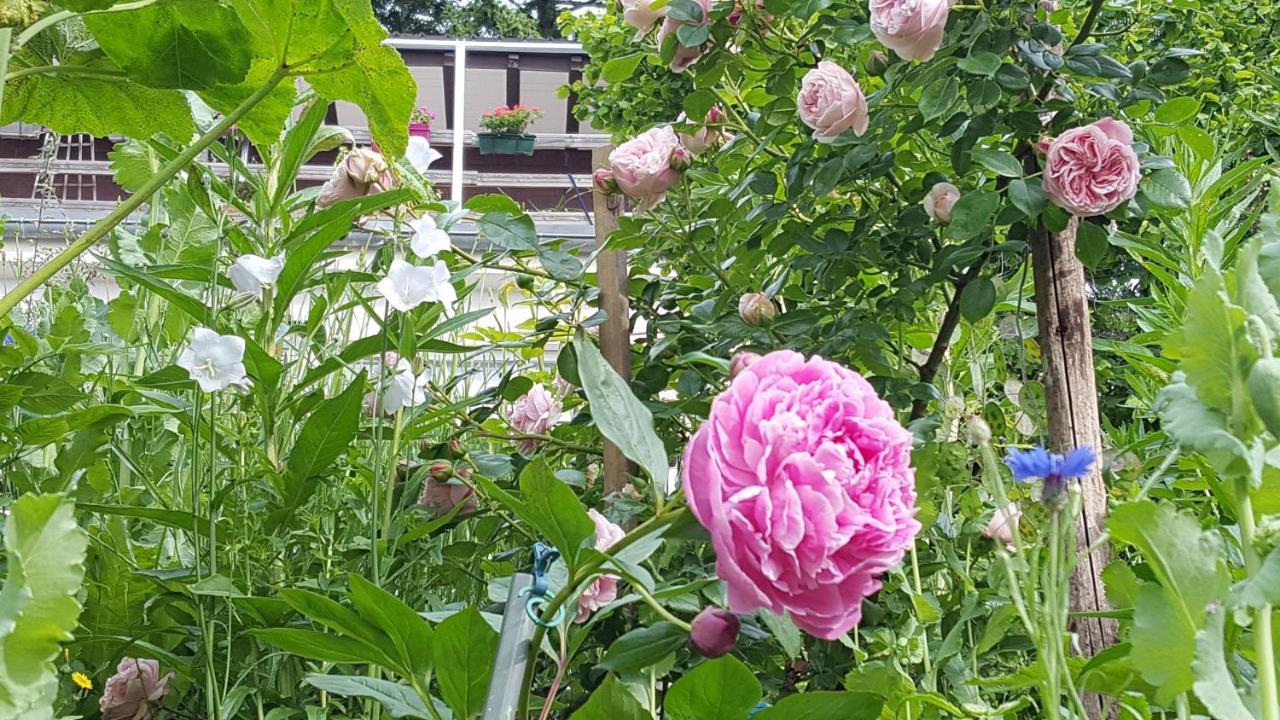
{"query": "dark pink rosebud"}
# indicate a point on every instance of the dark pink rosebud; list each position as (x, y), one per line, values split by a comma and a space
(441, 470)
(604, 182)
(681, 158)
(456, 448)
(741, 362)
(462, 473)
(714, 632)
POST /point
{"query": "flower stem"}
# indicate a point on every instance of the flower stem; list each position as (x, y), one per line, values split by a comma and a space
(1263, 640)
(6, 38)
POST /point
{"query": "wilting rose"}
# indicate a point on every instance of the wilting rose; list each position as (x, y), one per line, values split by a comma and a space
(639, 15)
(755, 309)
(710, 134)
(831, 101)
(643, 166)
(939, 201)
(714, 632)
(360, 173)
(443, 496)
(911, 28)
(135, 691)
(1002, 523)
(685, 56)
(1092, 170)
(535, 413)
(605, 589)
(803, 478)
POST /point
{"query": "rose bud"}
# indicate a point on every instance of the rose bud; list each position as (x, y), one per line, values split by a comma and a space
(877, 64)
(939, 202)
(456, 449)
(604, 182)
(714, 632)
(741, 362)
(681, 159)
(441, 470)
(755, 309)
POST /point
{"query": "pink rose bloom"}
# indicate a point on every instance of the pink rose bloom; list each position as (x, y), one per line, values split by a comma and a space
(605, 589)
(534, 414)
(709, 135)
(911, 28)
(803, 478)
(1092, 170)
(685, 56)
(639, 15)
(360, 173)
(443, 496)
(1002, 523)
(939, 201)
(135, 691)
(643, 167)
(831, 102)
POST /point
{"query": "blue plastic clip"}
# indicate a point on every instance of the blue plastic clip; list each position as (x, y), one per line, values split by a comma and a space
(543, 556)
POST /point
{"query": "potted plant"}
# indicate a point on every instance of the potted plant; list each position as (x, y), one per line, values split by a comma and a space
(420, 123)
(505, 130)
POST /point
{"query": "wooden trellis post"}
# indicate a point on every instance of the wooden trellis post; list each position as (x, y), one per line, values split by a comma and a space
(615, 335)
(1071, 390)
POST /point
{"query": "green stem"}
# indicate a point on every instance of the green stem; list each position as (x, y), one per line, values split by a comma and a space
(915, 576)
(6, 37)
(80, 246)
(1263, 640)
(389, 493)
(65, 70)
(43, 23)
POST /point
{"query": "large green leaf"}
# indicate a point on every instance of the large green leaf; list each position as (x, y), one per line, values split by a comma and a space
(407, 629)
(465, 647)
(399, 700)
(1211, 346)
(643, 647)
(325, 436)
(720, 689)
(317, 645)
(611, 701)
(621, 417)
(824, 706)
(38, 603)
(178, 44)
(1214, 683)
(554, 510)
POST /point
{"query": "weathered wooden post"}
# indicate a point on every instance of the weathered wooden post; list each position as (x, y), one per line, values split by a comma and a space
(615, 335)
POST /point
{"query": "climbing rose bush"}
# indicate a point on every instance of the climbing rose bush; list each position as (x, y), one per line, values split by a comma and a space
(803, 478)
(1092, 170)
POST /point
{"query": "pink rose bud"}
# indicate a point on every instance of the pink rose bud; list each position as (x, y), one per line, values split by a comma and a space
(441, 470)
(939, 202)
(740, 362)
(681, 159)
(643, 166)
(135, 692)
(911, 28)
(831, 102)
(1092, 170)
(714, 632)
(756, 309)
(456, 448)
(715, 115)
(877, 64)
(1002, 523)
(1043, 144)
(685, 56)
(834, 456)
(604, 182)
(640, 14)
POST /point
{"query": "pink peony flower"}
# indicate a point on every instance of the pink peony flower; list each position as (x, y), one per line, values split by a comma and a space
(640, 15)
(831, 102)
(443, 496)
(535, 413)
(135, 691)
(605, 589)
(911, 28)
(643, 167)
(360, 173)
(685, 56)
(939, 201)
(1092, 170)
(803, 478)
(1002, 523)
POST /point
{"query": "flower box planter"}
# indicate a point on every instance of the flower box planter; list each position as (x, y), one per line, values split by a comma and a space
(501, 144)
(422, 130)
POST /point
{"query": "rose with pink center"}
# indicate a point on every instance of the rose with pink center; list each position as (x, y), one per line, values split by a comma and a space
(831, 102)
(1092, 170)
(803, 478)
(605, 589)
(644, 167)
(911, 28)
(535, 413)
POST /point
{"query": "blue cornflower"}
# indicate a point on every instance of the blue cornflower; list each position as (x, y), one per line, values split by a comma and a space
(1054, 469)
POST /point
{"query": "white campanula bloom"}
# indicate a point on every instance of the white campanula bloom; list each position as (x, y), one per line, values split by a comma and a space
(250, 273)
(403, 389)
(428, 239)
(420, 154)
(215, 361)
(407, 286)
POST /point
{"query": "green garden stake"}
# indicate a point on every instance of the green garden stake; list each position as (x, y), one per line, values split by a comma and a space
(514, 643)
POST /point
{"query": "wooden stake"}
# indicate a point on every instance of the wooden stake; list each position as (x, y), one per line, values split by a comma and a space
(1071, 389)
(615, 335)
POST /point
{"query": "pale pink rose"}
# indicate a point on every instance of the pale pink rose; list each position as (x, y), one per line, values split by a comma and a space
(639, 15)
(1002, 523)
(911, 28)
(643, 167)
(1092, 170)
(939, 201)
(535, 413)
(443, 496)
(685, 56)
(360, 173)
(710, 134)
(803, 478)
(605, 589)
(135, 691)
(831, 101)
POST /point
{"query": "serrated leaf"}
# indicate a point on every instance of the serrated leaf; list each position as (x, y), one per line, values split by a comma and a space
(981, 62)
(939, 98)
(1215, 685)
(621, 68)
(1177, 110)
(972, 214)
(824, 706)
(1028, 196)
(978, 299)
(101, 107)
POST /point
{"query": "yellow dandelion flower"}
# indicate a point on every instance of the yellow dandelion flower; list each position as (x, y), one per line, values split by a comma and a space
(82, 681)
